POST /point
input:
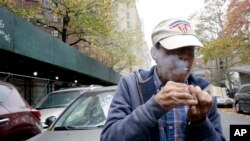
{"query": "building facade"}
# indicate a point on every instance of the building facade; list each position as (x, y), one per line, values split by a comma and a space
(127, 18)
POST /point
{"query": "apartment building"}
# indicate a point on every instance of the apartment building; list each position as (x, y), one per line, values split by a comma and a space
(126, 16)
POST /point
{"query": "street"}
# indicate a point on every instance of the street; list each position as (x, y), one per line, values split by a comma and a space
(228, 119)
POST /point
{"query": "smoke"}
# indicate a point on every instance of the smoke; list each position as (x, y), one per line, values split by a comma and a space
(173, 68)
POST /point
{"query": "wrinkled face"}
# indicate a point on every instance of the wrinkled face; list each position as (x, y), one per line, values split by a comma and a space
(174, 65)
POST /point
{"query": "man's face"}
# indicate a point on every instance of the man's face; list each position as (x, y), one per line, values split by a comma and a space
(175, 65)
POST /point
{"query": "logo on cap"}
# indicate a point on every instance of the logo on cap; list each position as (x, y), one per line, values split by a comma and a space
(180, 25)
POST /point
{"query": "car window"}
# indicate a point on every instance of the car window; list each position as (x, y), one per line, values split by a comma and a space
(105, 101)
(88, 111)
(59, 99)
(5, 92)
(244, 89)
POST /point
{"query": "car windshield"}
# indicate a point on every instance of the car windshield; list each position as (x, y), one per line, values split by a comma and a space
(86, 113)
(59, 99)
(245, 89)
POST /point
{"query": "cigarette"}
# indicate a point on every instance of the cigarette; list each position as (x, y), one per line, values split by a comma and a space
(186, 69)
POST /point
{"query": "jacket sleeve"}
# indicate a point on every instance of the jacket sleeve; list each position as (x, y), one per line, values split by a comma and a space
(125, 124)
(209, 130)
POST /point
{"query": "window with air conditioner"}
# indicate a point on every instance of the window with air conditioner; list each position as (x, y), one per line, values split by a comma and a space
(54, 33)
(54, 19)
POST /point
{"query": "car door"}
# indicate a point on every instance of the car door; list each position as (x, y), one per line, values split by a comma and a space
(244, 98)
(5, 119)
(246, 102)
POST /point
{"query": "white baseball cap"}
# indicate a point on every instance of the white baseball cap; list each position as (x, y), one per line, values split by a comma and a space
(175, 33)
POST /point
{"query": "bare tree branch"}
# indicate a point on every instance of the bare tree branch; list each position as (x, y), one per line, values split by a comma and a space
(49, 26)
(80, 39)
(71, 33)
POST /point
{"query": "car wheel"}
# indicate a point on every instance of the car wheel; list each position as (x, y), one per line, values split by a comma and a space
(237, 108)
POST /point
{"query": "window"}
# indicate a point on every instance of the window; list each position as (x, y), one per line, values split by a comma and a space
(127, 6)
(54, 33)
(55, 19)
(90, 111)
(45, 1)
(245, 89)
(128, 15)
(128, 24)
(59, 99)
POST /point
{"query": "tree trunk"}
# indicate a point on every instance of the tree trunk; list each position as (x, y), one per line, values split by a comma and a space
(64, 29)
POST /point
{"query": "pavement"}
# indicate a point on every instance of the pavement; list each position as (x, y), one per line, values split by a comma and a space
(230, 117)
(233, 112)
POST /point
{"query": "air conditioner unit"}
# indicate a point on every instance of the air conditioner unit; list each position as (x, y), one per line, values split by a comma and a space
(54, 19)
(55, 33)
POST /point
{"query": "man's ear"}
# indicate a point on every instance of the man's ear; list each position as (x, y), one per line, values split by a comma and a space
(154, 53)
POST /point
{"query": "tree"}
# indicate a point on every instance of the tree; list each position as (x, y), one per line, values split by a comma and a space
(210, 21)
(238, 19)
(208, 25)
(87, 25)
(224, 48)
(117, 50)
(28, 13)
(127, 50)
(80, 19)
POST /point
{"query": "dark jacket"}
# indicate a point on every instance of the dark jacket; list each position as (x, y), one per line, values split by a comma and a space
(134, 113)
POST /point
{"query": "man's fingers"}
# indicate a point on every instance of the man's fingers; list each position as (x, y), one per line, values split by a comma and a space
(186, 99)
(208, 102)
(183, 96)
(203, 97)
(199, 93)
(193, 91)
(204, 101)
(193, 110)
(177, 87)
(191, 103)
(176, 84)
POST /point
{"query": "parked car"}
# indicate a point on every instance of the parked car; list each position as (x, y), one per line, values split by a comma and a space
(242, 99)
(82, 120)
(224, 101)
(220, 93)
(54, 103)
(18, 121)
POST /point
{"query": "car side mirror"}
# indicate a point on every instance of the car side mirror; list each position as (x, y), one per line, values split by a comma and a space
(49, 120)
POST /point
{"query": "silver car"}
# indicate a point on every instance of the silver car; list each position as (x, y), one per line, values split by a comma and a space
(82, 120)
(55, 103)
(224, 101)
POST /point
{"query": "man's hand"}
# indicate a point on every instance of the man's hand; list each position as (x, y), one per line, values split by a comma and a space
(175, 94)
(198, 113)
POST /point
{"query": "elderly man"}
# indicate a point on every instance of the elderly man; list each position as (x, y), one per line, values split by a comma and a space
(166, 103)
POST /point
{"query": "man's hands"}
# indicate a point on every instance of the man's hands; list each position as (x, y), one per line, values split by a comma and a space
(174, 94)
(198, 112)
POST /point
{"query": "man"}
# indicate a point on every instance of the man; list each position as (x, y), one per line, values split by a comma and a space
(166, 103)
